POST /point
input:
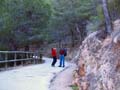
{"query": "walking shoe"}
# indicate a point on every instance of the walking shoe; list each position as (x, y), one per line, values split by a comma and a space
(53, 65)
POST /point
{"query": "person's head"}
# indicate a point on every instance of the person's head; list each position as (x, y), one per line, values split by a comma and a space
(51, 48)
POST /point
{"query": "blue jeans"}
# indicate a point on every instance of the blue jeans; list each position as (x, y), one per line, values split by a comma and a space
(62, 60)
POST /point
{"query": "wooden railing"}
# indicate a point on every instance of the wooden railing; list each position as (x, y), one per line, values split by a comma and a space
(16, 58)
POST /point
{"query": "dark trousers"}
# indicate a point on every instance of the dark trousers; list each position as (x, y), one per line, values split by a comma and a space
(54, 61)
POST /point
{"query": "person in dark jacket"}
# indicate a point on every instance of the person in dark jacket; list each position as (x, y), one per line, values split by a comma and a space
(54, 55)
(62, 58)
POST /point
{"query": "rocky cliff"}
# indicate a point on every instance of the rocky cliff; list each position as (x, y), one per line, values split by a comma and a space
(99, 61)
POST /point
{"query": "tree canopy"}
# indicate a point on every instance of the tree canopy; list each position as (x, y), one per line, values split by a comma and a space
(23, 22)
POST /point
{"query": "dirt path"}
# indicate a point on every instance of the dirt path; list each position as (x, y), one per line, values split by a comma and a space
(63, 79)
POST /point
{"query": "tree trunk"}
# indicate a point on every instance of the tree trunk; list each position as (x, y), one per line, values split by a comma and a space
(72, 37)
(107, 17)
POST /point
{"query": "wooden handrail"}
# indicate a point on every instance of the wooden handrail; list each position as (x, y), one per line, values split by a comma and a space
(15, 52)
(24, 56)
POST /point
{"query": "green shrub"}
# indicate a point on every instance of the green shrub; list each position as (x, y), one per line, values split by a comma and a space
(3, 47)
(74, 87)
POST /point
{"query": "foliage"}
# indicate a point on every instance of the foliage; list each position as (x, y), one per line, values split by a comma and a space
(66, 11)
(74, 87)
(21, 20)
(114, 8)
(100, 12)
(27, 21)
(69, 13)
(96, 21)
(4, 47)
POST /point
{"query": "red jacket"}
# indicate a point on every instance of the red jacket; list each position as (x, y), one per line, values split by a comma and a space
(54, 52)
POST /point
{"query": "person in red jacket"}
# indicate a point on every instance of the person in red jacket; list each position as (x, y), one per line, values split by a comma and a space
(54, 55)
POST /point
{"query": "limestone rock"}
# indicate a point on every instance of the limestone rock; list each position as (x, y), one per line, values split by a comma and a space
(99, 62)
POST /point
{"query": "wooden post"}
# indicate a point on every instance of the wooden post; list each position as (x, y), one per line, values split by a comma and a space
(31, 56)
(15, 57)
(34, 59)
(27, 56)
(6, 59)
(22, 58)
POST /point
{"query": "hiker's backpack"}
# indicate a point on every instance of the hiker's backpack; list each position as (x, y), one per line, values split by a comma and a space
(65, 52)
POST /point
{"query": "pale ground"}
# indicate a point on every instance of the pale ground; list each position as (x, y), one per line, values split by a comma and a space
(63, 80)
(35, 77)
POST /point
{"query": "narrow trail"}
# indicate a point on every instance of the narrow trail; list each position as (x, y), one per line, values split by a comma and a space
(33, 77)
(38, 77)
(63, 80)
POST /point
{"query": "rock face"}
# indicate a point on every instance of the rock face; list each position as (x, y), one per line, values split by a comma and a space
(99, 63)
